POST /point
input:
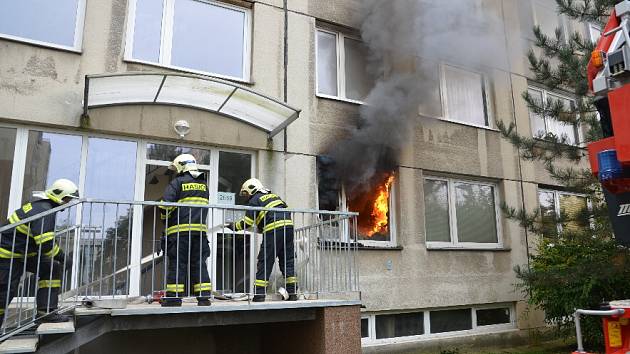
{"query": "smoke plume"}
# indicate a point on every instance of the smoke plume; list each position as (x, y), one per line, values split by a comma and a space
(405, 41)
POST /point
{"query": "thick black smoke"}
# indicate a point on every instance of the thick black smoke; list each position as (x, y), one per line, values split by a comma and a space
(405, 40)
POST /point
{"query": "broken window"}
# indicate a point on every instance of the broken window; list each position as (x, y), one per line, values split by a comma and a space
(57, 23)
(223, 29)
(341, 66)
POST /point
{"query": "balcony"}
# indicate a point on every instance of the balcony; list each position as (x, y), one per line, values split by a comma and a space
(118, 277)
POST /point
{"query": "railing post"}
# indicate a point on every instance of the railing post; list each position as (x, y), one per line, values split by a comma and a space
(136, 251)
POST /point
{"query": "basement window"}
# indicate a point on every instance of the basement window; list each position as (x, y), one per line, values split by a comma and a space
(169, 33)
(461, 214)
(341, 67)
(57, 24)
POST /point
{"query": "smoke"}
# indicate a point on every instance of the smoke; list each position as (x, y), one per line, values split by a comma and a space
(406, 39)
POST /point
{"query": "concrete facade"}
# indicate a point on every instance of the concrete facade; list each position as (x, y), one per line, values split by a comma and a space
(41, 88)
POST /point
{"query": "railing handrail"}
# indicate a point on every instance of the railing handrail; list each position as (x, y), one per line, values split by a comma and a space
(154, 203)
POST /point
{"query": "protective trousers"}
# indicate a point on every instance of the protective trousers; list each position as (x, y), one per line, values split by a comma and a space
(277, 243)
(49, 281)
(187, 271)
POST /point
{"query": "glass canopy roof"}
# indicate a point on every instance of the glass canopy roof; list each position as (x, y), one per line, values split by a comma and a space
(192, 91)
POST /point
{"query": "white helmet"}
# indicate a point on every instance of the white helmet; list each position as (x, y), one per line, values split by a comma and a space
(60, 189)
(252, 186)
(184, 163)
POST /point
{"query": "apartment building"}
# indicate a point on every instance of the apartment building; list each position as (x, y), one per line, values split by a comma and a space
(92, 91)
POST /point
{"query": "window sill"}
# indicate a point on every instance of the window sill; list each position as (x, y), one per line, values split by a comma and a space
(190, 71)
(583, 147)
(455, 248)
(340, 99)
(362, 247)
(459, 122)
(40, 43)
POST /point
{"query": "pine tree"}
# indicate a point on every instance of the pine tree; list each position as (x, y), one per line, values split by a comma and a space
(577, 265)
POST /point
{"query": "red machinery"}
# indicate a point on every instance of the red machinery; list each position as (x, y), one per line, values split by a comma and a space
(609, 79)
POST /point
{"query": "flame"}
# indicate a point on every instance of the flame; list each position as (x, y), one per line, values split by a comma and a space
(380, 208)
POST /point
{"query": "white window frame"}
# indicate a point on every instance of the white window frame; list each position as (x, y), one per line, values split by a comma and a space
(19, 168)
(590, 27)
(545, 93)
(486, 97)
(428, 336)
(341, 66)
(78, 33)
(556, 200)
(452, 215)
(166, 40)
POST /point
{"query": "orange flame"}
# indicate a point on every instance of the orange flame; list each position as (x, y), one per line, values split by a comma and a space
(380, 208)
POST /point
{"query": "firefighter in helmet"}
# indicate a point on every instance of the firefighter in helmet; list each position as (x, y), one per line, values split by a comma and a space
(277, 229)
(186, 244)
(32, 247)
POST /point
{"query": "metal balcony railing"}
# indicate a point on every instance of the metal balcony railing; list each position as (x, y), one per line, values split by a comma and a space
(112, 251)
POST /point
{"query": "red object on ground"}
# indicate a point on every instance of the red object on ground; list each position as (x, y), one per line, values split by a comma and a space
(617, 329)
(157, 295)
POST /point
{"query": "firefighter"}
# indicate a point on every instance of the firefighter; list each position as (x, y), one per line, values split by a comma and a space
(32, 247)
(186, 245)
(277, 229)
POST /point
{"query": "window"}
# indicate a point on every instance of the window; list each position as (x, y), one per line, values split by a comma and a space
(7, 148)
(451, 320)
(460, 214)
(341, 67)
(541, 125)
(207, 37)
(434, 323)
(56, 23)
(594, 32)
(556, 206)
(399, 325)
(464, 96)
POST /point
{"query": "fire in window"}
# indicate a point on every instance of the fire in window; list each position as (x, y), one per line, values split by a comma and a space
(372, 201)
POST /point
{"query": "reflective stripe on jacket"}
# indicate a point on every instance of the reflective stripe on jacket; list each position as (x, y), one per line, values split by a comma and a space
(185, 189)
(33, 237)
(265, 220)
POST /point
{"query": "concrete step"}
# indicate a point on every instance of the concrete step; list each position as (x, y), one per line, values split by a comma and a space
(56, 328)
(19, 345)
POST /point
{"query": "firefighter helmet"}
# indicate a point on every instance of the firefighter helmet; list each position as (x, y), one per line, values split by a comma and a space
(61, 189)
(184, 163)
(252, 186)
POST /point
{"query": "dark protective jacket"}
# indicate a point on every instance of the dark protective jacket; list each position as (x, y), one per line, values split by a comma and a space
(264, 220)
(185, 189)
(31, 237)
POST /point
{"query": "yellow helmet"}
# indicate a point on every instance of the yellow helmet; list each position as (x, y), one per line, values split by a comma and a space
(60, 189)
(184, 163)
(251, 187)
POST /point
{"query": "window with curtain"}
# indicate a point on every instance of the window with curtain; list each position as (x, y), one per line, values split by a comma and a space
(464, 93)
(460, 213)
(543, 125)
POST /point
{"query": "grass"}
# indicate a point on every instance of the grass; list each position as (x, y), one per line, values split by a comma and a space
(555, 347)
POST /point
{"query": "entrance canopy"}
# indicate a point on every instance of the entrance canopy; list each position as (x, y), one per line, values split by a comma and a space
(198, 92)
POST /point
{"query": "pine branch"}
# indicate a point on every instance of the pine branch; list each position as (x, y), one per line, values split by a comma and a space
(586, 10)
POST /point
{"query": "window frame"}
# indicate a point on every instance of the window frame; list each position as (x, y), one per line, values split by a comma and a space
(166, 39)
(545, 93)
(590, 27)
(371, 339)
(78, 33)
(340, 48)
(452, 215)
(485, 87)
(556, 201)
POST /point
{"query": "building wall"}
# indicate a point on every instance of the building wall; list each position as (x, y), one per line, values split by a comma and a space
(43, 87)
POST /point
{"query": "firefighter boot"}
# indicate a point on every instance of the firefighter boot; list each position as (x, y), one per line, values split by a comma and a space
(203, 301)
(292, 290)
(172, 302)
